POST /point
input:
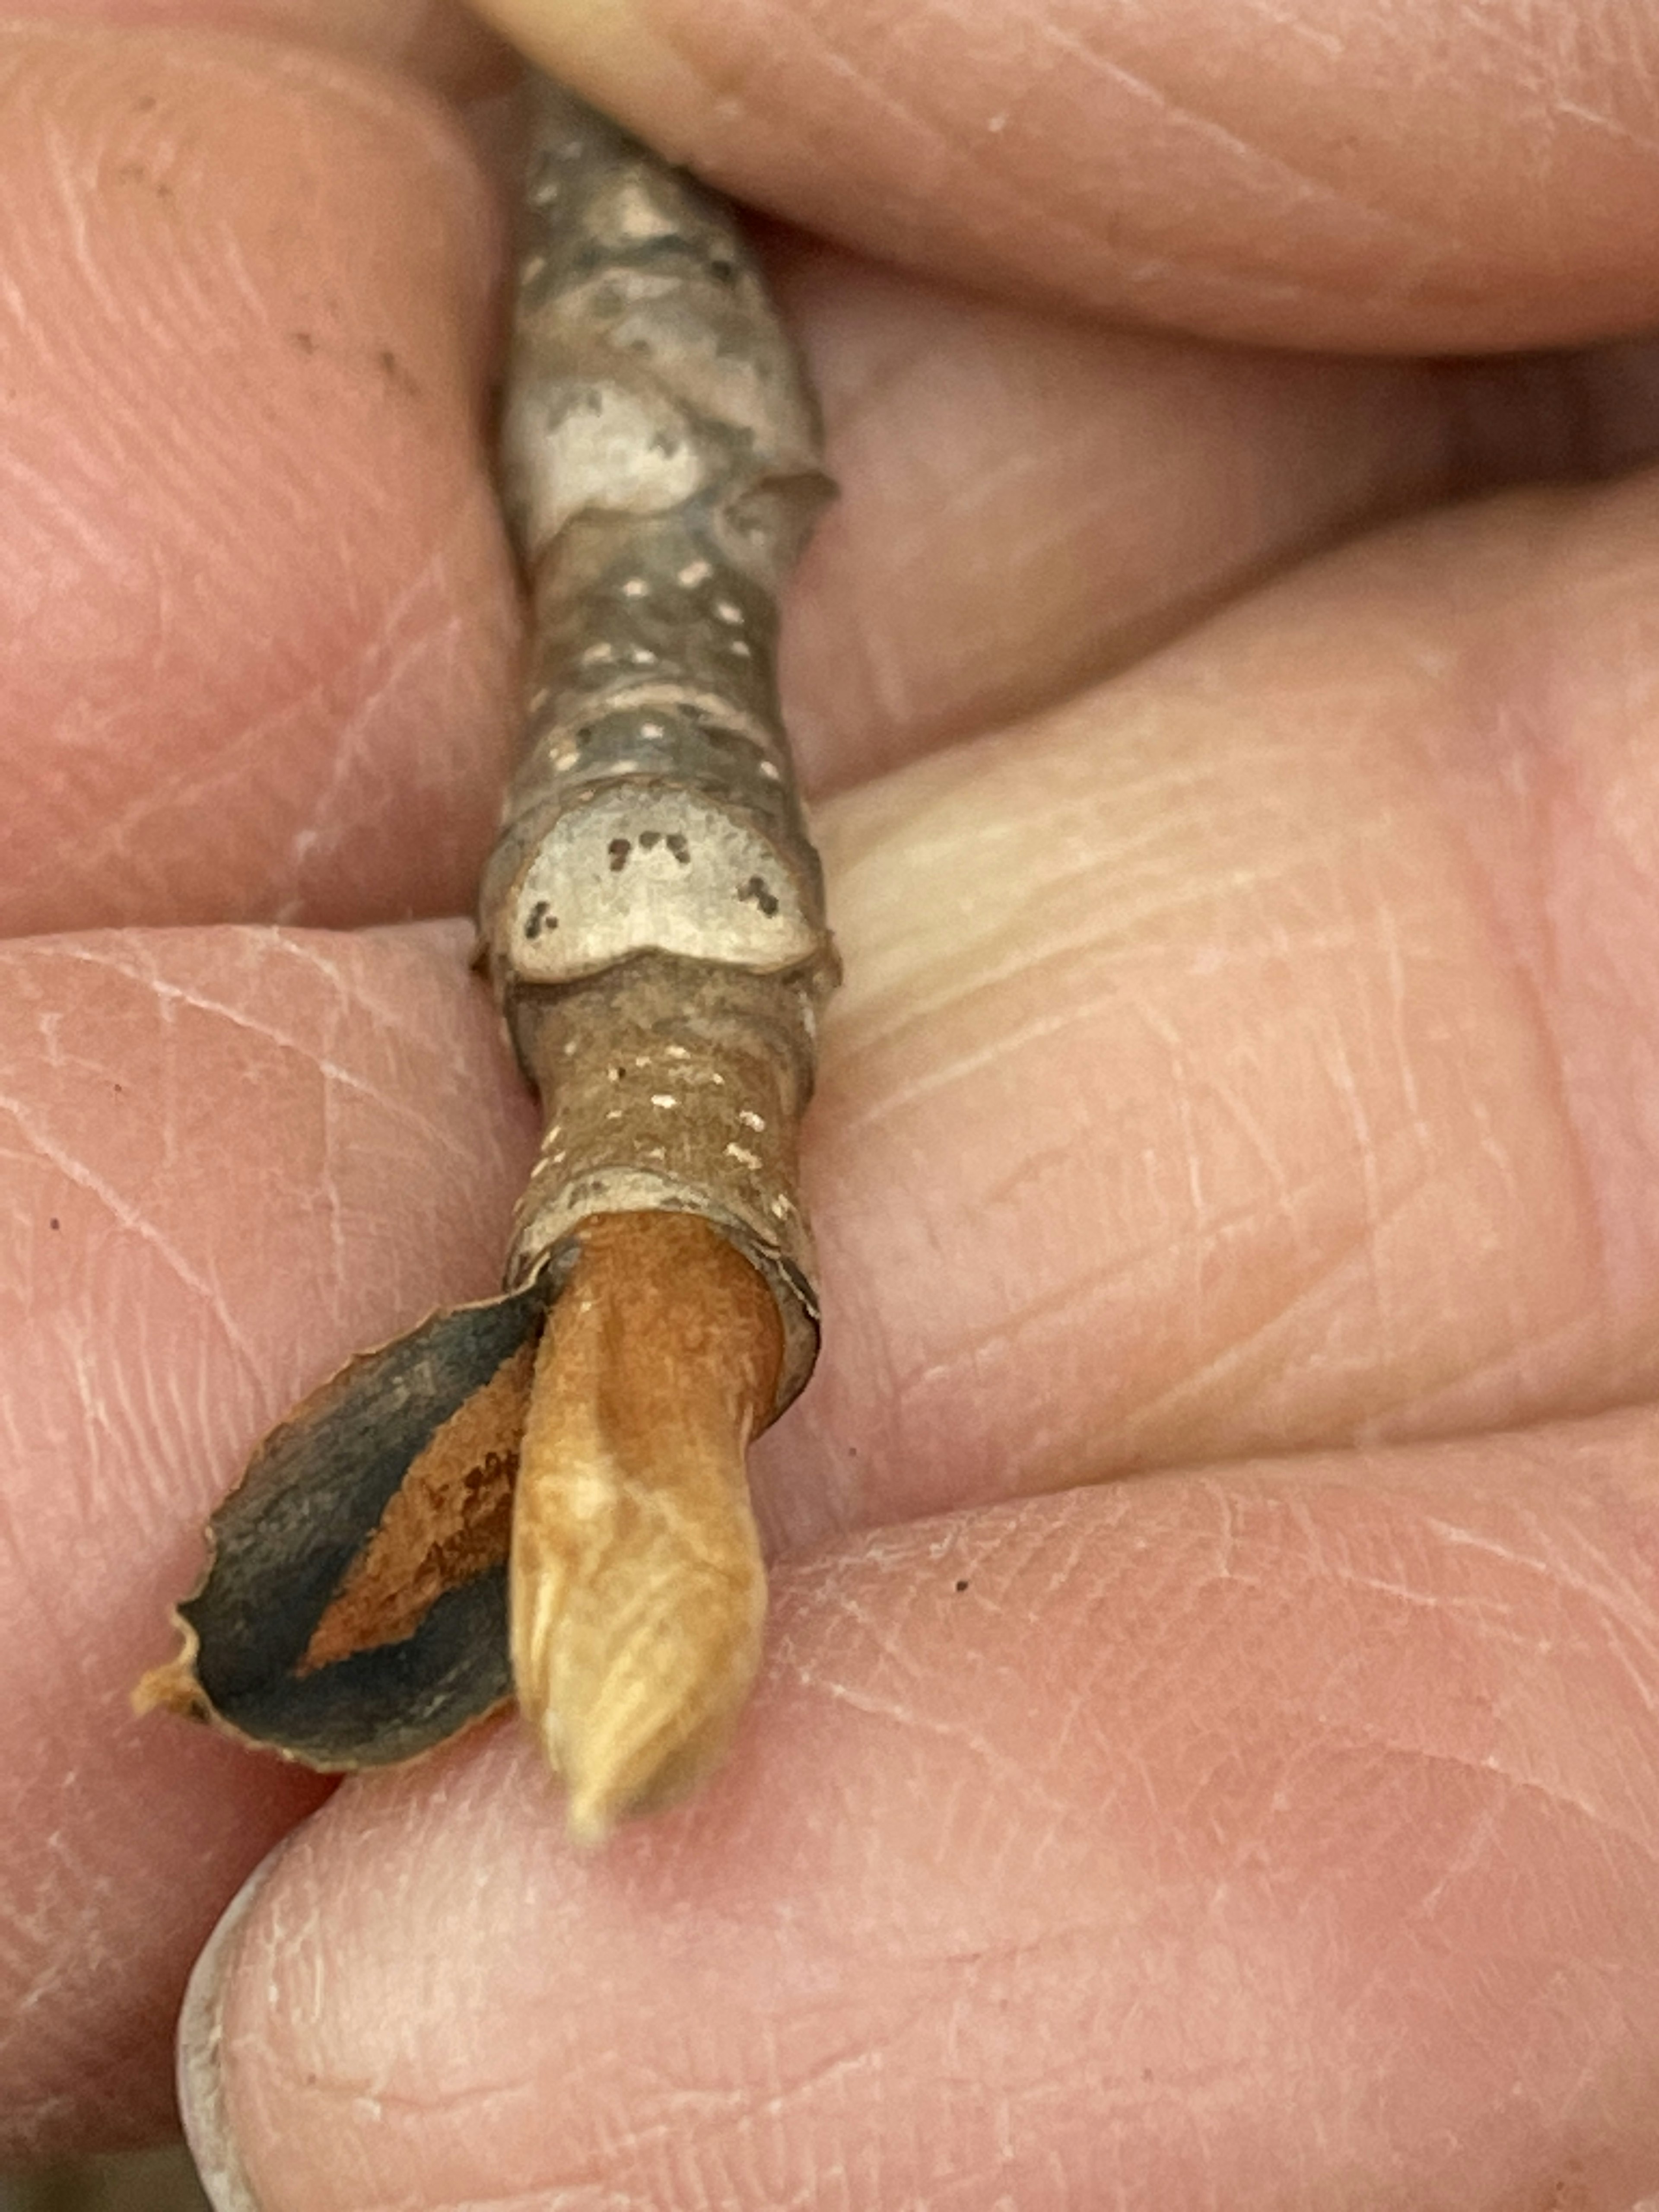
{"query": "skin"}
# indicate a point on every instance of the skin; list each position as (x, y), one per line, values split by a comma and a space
(1242, 812)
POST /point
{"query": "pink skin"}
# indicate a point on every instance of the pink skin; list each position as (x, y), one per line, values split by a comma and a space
(1248, 1048)
(309, 257)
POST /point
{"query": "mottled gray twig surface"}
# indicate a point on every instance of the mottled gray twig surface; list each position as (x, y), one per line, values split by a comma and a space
(654, 911)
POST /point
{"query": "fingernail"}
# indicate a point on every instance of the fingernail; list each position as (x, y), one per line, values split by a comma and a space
(201, 2103)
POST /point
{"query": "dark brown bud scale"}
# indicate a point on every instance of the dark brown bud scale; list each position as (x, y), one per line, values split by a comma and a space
(286, 1541)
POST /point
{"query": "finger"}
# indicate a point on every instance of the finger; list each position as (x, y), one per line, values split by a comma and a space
(229, 1160)
(439, 41)
(258, 622)
(1239, 172)
(1256, 1052)
(1028, 503)
(1127, 1847)
(1205, 1078)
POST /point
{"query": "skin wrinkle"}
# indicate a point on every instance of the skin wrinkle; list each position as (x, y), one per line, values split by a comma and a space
(1645, 140)
(1292, 1201)
(473, 2105)
(1535, 977)
(633, 2139)
(380, 664)
(315, 951)
(74, 197)
(950, 159)
(1288, 1195)
(121, 835)
(447, 946)
(774, 2108)
(232, 769)
(51, 494)
(1171, 895)
(1620, 1249)
(963, 497)
(1557, 1799)
(908, 1716)
(1399, 999)
(1328, 42)
(1306, 185)
(340, 1253)
(27, 1593)
(354, 729)
(1223, 275)
(132, 1424)
(912, 1392)
(1633, 1617)
(937, 157)
(1107, 1284)
(997, 1768)
(710, 2171)
(1341, 1574)
(1374, 1213)
(896, 1100)
(957, 992)
(1523, 1369)
(129, 1217)
(395, 1105)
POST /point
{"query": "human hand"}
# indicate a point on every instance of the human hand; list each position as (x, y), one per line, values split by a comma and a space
(1244, 1052)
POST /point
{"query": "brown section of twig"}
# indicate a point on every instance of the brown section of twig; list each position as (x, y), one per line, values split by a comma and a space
(449, 1520)
(638, 1593)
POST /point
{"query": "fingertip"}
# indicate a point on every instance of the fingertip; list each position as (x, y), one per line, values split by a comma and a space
(608, 51)
(203, 2105)
(1052, 1811)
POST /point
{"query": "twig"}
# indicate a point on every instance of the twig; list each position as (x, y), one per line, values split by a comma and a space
(652, 921)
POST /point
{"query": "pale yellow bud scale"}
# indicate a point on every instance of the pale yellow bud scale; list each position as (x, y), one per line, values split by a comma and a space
(637, 1590)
